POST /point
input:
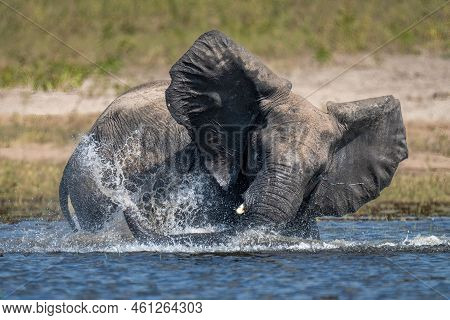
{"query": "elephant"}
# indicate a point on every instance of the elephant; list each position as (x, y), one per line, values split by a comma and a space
(266, 155)
(289, 161)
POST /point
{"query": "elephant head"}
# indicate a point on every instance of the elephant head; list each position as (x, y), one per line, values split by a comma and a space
(294, 159)
(217, 91)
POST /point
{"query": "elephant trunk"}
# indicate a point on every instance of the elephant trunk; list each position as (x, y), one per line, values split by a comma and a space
(288, 160)
(274, 197)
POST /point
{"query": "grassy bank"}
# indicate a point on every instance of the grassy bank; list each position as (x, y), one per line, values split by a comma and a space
(30, 188)
(412, 195)
(119, 34)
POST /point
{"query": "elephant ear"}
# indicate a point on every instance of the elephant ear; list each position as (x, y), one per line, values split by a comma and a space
(373, 144)
(217, 90)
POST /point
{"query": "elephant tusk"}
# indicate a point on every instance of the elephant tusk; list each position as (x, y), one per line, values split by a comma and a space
(240, 209)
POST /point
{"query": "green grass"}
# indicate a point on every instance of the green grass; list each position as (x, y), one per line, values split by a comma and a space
(413, 195)
(29, 189)
(117, 34)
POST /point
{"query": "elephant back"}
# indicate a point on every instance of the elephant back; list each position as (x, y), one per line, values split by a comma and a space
(137, 129)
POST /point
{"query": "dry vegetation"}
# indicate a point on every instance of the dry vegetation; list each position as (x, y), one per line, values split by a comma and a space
(29, 187)
(431, 138)
(61, 130)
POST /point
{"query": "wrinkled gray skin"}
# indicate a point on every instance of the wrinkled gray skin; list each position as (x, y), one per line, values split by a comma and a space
(287, 161)
(128, 134)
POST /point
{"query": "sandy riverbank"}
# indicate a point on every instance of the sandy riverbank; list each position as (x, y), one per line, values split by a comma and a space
(420, 82)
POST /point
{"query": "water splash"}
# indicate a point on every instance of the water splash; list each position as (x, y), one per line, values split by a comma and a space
(163, 199)
(48, 237)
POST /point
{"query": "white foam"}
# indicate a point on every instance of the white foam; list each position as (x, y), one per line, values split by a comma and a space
(47, 237)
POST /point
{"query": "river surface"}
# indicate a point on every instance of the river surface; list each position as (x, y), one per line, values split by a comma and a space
(353, 260)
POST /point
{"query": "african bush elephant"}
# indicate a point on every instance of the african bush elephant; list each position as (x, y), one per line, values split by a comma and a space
(289, 161)
(260, 148)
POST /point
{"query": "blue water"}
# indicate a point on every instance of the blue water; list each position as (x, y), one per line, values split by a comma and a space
(354, 260)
